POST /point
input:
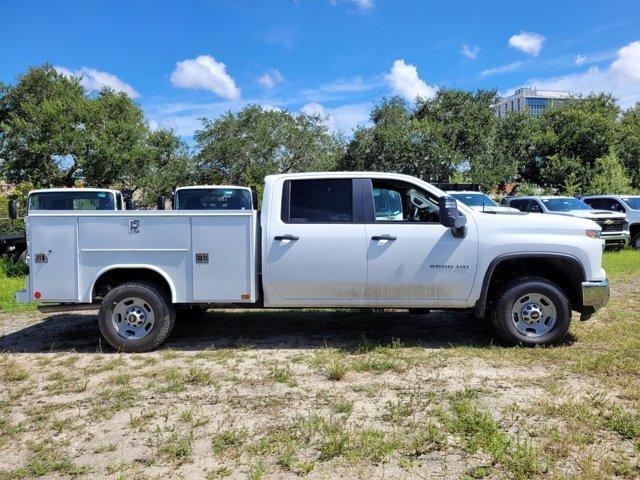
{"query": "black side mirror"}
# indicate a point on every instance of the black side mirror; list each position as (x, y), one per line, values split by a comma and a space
(451, 217)
(160, 203)
(13, 209)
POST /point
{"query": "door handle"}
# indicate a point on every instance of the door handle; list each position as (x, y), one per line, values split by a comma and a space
(293, 238)
(383, 237)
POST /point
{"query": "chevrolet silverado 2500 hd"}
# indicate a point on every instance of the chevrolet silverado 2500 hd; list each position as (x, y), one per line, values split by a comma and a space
(322, 240)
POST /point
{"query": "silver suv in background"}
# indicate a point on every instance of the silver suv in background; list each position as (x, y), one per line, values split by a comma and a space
(481, 202)
(615, 228)
(627, 204)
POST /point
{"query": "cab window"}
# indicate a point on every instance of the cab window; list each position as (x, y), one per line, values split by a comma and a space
(318, 201)
(397, 201)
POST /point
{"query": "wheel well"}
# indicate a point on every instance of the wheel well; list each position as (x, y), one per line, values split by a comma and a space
(635, 228)
(565, 272)
(117, 276)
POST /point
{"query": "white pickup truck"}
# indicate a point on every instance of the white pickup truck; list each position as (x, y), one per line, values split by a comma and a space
(322, 240)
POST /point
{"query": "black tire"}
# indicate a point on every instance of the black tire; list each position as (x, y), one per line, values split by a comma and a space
(164, 314)
(190, 311)
(501, 313)
(635, 240)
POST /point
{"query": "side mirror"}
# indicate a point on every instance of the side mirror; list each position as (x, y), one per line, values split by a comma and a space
(13, 209)
(160, 203)
(451, 217)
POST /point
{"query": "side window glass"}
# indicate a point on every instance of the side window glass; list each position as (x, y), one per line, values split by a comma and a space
(519, 204)
(533, 207)
(395, 201)
(320, 201)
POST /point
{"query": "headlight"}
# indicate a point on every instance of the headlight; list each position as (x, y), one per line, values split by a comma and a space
(593, 233)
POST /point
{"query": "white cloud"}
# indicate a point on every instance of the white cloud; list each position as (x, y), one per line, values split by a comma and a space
(580, 59)
(93, 79)
(527, 42)
(404, 81)
(270, 79)
(361, 4)
(340, 119)
(621, 77)
(470, 52)
(510, 67)
(204, 72)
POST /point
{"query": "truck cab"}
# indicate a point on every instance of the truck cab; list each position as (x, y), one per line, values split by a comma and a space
(213, 197)
(625, 204)
(75, 199)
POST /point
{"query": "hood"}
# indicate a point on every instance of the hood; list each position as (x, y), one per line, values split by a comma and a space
(592, 214)
(495, 209)
(536, 223)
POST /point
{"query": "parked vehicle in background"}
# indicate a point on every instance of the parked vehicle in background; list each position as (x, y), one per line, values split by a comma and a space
(213, 197)
(481, 202)
(13, 241)
(627, 204)
(614, 225)
(75, 199)
(321, 243)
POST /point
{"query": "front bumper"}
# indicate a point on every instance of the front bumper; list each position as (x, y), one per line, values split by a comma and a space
(595, 295)
(616, 238)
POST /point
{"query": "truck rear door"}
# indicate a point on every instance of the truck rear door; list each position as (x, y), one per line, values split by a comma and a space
(316, 248)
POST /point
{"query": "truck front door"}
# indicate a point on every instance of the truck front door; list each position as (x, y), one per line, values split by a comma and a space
(412, 259)
(316, 248)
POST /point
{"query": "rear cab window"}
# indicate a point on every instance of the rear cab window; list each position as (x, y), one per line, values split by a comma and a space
(71, 201)
(318, 201)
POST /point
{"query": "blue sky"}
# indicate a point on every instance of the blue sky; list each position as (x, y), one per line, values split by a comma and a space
(198, 58)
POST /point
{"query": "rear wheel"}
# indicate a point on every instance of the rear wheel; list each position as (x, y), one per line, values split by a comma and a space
(531, 311)
(136, 317)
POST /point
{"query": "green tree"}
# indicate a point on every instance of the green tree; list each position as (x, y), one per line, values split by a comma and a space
(168, 165)
(243, 147)
(515, 146)
(609, 176)
(54, 133)
(468, 127)
(628, 144)
(583, 129)
(399, 142)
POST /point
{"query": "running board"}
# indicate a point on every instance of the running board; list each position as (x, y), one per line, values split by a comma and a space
(69, 307)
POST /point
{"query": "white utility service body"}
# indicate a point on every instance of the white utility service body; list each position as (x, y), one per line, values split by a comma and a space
(286, 259)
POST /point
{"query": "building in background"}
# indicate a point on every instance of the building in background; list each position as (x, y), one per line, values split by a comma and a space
(530, 100)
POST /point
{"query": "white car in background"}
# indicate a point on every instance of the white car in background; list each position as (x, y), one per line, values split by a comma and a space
(481, 202)
(615, 228)
(627, 204)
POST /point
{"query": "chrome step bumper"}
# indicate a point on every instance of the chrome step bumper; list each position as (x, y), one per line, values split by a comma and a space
(595, 295)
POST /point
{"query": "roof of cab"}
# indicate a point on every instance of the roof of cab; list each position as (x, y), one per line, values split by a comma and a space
(191, 187)
(73, 189)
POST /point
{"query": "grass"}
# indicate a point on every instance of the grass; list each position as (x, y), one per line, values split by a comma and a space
(394, 407)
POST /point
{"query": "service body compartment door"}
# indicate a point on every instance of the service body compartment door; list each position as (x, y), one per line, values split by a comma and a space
(53, 258)
(224, 256)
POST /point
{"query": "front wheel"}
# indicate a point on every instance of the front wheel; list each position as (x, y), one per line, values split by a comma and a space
(136, 317)
(531, 311)
(635, 240)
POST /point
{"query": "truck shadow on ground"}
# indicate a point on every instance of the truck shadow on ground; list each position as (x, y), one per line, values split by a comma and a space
(268, 329)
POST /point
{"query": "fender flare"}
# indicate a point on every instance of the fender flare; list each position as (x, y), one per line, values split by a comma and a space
(129, 266)
(481, 304)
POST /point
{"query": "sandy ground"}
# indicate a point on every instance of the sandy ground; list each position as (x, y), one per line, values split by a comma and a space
(249, 394)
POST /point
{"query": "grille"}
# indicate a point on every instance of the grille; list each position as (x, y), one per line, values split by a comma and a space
(617, 225)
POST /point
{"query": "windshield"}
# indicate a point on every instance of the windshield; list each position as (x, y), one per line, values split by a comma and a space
(213, 199)
(633, 202)
(71, 201)
(475, 199)
(564, 204)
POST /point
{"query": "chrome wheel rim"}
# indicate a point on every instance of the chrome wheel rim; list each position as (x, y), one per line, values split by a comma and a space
(133, 318)
(534, 315)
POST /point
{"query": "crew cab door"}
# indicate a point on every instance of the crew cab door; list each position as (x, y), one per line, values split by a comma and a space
(316, 250)
(412, 259)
